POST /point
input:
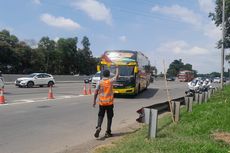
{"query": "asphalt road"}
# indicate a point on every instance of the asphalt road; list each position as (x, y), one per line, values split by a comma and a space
(30, 123)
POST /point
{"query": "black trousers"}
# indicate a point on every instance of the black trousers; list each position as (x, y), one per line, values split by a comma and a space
(101, 114)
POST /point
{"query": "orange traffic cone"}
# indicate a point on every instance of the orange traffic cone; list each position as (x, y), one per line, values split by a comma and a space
(84, 90)
(89, 91)
(2, 99)
(50, 93)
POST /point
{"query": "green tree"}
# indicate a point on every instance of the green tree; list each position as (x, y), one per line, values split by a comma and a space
(61, 57)
(23, 59)
(38, 60)
(178, 65)
(8, 43)
(87, 63)
(153, 70)
(67, 48)
(217, 18)
(47, 46)
(175, 67)
(187, 67)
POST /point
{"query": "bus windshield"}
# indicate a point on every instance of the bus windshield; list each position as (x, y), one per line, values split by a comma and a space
(123, 70)
(126, 70)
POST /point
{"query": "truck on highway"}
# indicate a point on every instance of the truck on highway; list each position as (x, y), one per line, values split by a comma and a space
(134, 70)
(185, 76)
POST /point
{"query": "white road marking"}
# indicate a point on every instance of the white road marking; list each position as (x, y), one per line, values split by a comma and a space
(25, 100)
(35, 100)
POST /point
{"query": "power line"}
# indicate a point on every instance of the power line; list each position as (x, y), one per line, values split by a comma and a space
(132, 11)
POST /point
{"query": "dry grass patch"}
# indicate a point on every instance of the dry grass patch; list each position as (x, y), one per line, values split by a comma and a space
(223, 136)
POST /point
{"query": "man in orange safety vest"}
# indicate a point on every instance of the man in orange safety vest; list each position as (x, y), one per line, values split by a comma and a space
(104, 92)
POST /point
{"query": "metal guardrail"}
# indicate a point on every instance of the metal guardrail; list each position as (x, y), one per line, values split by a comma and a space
(149, 114)
(160, 107)
(164, 107)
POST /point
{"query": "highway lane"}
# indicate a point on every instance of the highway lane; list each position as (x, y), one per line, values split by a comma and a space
(57, 125)
(15, 94)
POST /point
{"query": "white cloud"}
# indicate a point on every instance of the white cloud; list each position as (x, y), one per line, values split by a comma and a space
(212, 31)
(203, 58)
(180, 12)
(59, 22)
(123, 38)
(204, 25)
(206, 5)
(96, 10)
(38, 2)
(181, 48)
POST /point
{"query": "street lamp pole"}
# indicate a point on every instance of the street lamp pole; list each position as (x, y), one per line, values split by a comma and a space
(222, 49)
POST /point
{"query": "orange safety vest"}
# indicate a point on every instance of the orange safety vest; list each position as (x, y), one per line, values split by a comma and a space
(105, 93)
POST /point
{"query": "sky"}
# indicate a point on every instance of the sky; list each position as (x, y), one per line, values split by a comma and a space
(164, 30)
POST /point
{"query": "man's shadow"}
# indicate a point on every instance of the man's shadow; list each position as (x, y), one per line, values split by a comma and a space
(116, 134)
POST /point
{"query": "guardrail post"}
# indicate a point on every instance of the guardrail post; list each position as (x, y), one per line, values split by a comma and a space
(205, 96)
(196, 98)
(209, 93)
(177, 111)
(213, 90)
(190, 104)
(173, 108)
(186, 100)
(200, 98)
(146, 115)
(153, 117)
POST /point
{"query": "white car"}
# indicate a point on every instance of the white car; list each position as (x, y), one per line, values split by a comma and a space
(1, 83)
(216, 80)
(96, 78)
(35, 79)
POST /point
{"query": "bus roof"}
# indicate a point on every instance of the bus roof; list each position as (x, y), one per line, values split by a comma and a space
(186, 71)
(129, 51)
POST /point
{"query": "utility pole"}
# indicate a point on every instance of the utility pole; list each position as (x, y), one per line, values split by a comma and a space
(222, 49)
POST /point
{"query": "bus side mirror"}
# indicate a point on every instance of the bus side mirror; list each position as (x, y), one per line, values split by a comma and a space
(98, 68)
(135, 69)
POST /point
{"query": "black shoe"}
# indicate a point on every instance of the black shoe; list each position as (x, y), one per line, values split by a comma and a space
(98, 130)
(108, 134)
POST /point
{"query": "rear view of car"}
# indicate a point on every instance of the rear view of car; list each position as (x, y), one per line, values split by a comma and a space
(35, 79)
(170, 79)
(96, 78)
(216, 80)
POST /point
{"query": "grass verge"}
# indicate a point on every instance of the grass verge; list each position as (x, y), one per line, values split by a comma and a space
(204, 130)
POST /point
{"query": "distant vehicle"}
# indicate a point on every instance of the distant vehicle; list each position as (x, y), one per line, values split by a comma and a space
(35, 79)
(134, 70)
(1, 82)
(185, 76)
(96, 78)
(151, 78)
(170, 79)
(216, 80)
